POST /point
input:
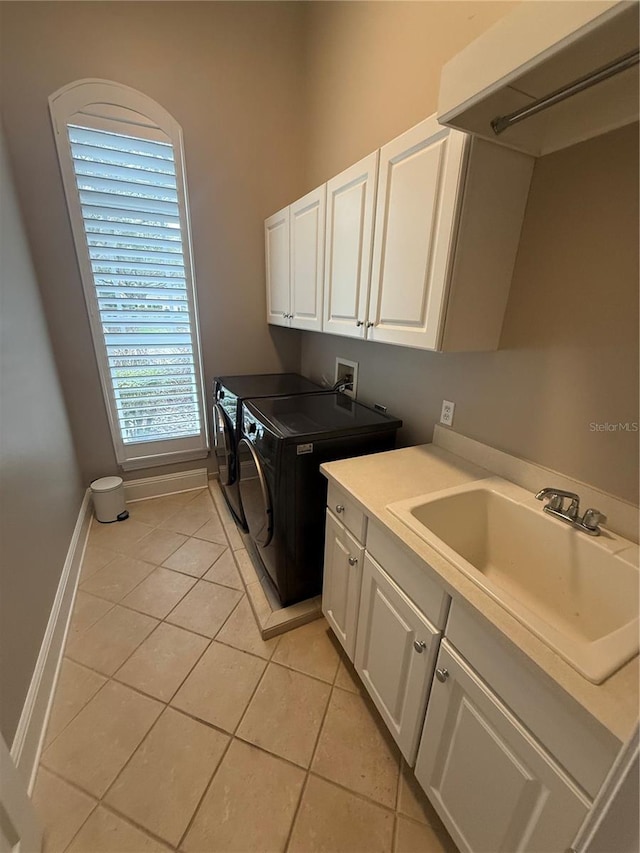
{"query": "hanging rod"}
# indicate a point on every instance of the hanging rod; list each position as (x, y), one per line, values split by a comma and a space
(501, 123)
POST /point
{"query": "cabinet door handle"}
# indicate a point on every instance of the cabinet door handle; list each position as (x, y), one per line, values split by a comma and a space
(370, 325)
(359, 322)
(353, 561)
(442, 674)
(339, 508)
(419, 646)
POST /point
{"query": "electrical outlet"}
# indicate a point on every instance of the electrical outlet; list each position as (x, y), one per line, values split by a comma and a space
(446, 415)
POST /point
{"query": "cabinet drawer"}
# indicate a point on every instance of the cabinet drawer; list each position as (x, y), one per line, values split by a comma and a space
(412, 575)
(493, 785)
(346, 509)
(577, 741)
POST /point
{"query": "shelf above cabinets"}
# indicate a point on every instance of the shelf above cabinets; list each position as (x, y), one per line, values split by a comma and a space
(536, 51)
(418, 248)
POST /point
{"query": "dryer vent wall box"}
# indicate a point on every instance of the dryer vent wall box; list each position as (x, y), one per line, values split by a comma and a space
(347, 371)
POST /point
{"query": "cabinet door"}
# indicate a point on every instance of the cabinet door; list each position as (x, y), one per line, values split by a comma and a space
(343, 557)
(276, 246)
(307, 260)
(395, 653)
(419, 185)
(349, 241)
(491, 782)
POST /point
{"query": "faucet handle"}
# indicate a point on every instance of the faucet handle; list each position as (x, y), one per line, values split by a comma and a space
(593, 518)
(555, 502)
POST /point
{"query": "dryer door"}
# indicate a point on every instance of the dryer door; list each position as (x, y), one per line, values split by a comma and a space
(223, 445)
(255, 496)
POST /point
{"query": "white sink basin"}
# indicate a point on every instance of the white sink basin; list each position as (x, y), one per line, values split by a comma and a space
(577, 593)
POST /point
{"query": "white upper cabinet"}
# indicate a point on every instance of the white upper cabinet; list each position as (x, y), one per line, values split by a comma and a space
(307, 260)
(421, 241)
(536, 50)
(418, 187)
(276, 240)
(349, 240)
(448, 220)
(294, 259)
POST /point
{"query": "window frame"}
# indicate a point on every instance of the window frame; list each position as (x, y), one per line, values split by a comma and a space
(108, 96)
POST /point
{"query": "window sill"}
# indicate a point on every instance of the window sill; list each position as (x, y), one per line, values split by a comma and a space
(157, 460)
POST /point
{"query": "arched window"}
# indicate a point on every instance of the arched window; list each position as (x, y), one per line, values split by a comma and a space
(122, 164)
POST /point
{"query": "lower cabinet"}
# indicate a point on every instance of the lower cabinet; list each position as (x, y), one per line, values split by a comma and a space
(395, 653)
(343, 557)
(496, 781)
(493, 785)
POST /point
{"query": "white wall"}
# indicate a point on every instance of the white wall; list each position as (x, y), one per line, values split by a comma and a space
(568, 356)
(229, 73)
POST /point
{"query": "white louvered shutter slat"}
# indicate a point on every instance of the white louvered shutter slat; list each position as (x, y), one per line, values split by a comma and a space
(130, 211)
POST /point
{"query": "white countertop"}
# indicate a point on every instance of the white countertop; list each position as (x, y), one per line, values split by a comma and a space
(383, 478)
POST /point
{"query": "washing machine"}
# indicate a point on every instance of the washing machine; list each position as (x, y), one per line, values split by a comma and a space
(283, 492)
(229, 392)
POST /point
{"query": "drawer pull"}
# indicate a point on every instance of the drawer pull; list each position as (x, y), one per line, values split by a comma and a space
(419, 646)
(442, 674)
(339, 508)
(353, 561)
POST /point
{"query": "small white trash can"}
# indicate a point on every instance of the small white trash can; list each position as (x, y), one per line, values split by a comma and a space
(108, 499)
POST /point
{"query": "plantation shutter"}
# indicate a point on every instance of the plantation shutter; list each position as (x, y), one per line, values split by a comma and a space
(142, 300)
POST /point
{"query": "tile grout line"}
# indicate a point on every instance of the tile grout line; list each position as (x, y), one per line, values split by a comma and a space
(191, 820)
(126, 819)
(196, 662)
(162, 619)
(83, 632)
(64, 728)
(81, 580)
(311, 760)
(173, 606)
(99, 803)
(111, 678)
(210, 641)
(167, 704)
(231, 739)
(394, 836)
(303, 789)
(238, 724)
(129, 591)
(135, 752)
(232, 736)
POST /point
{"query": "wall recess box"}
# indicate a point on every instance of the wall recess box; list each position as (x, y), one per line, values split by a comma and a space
(348, 371)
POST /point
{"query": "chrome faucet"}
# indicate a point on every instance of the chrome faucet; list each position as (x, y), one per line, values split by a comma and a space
(589, 522)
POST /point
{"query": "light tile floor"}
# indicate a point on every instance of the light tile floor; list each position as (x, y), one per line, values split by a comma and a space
(176, 727)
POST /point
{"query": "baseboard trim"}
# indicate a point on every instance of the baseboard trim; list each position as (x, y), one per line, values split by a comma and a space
(165, 484)
(29, 737)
